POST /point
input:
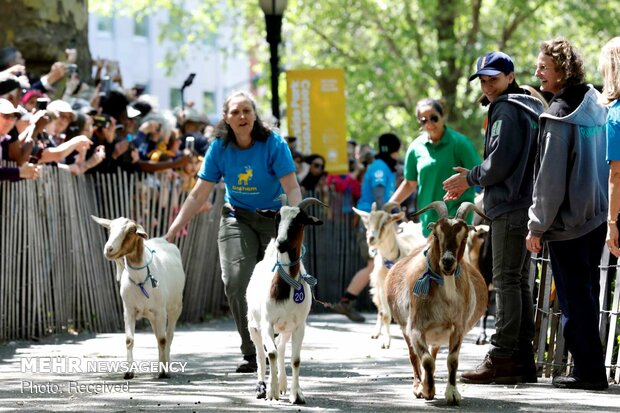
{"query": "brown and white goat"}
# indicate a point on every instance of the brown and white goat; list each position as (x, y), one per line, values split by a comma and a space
(437, 297)
(279, 300)
(391, 243)
(151, 276)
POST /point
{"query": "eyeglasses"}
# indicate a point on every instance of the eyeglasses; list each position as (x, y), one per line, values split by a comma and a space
(433, 118)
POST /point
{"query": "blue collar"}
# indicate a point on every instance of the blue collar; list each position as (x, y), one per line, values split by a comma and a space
(149, 276)
(287, 277)
(423, 285)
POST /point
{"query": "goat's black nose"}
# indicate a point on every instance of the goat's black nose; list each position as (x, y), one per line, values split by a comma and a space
(447, 262)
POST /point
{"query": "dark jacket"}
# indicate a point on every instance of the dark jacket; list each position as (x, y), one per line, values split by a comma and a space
(509, 152)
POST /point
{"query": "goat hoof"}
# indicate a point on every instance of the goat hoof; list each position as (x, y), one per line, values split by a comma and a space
(163, 375)
(299, 399)
(261, 390)
(128, 375)
(374, 336)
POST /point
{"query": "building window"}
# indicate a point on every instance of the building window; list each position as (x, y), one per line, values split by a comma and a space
(141, 26)
(104, 24)
(208, 103)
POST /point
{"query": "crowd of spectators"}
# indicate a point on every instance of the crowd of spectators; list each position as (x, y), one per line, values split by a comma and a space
(63, 121)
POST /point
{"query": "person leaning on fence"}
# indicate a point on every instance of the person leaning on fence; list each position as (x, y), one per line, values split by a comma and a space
(257, 167)
(569, 207)
(8, 117)
(378, 185)
(609, 66)
(506, 176)
(430, 160)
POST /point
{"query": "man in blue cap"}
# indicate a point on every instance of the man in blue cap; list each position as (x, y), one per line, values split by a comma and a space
(506, 174)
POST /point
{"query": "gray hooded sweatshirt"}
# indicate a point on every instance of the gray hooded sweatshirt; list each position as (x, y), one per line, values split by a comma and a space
(570, 189)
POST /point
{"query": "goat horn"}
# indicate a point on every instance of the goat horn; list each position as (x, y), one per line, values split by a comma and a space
(466, 207)
(389, 206)
(283, 198)
(439, 206)
(305, 203)
(373, 207)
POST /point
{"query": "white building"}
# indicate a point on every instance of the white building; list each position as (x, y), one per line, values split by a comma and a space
(135, 46)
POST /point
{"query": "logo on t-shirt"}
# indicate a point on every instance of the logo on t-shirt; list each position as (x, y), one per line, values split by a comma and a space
(244, 177)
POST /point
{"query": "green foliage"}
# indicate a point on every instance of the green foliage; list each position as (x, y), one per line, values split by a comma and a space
(394, 52)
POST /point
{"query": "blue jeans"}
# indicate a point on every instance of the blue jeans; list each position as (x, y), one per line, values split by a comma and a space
(576, 274)
(514, 319)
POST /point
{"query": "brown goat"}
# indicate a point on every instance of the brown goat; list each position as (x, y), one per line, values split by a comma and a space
(437, 297)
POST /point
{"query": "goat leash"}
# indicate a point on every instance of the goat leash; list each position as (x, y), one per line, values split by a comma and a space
(154, 281)
(423, 285)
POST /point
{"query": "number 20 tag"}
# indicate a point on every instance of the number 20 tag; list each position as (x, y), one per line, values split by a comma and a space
(299, 295)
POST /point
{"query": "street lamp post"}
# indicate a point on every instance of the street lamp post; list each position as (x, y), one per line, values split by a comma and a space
(274, 9)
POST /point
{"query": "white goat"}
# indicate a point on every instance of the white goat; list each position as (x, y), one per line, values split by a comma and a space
(437, 297)
(151, 278)
(391, 243)
(279, 301)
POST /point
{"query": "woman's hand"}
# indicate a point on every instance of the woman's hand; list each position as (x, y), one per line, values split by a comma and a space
(612, 239)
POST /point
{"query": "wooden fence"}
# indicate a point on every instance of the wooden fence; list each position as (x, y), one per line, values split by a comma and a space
(54, 278)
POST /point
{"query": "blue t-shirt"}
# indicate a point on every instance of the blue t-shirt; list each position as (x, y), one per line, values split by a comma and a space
(251, 175)
(613, 132)
(377, 174)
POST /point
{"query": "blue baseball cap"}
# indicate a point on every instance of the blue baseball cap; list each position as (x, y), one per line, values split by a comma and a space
(492, 64)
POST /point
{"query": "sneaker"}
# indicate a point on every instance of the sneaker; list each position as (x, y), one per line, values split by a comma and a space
(496, 370)
(248, 365)
(572, 382)
(346, 308)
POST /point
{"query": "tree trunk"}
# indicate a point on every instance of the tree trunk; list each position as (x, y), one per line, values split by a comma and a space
(43, 29)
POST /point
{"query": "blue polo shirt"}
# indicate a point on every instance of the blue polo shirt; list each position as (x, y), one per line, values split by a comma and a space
(252, 175)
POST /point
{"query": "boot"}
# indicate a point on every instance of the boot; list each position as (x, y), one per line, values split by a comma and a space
(496, 370)
(346, 308)
(528, 369)
(248, 365)
(573, 382)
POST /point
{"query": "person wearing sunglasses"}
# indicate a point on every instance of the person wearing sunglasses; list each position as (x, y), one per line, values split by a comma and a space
(507, 176)
(430, 159)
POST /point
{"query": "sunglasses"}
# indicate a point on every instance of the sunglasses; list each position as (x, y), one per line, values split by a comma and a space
(9, 115)
(433, 118)
(317, 165)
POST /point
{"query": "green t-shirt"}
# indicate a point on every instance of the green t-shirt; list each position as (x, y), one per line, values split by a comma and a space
(430, 164)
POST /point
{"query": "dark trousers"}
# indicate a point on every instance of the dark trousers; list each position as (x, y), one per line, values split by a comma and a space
(242, 240)
(576, 274)
(514, 319)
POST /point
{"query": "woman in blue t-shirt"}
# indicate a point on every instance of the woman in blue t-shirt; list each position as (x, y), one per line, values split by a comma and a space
(256, 166)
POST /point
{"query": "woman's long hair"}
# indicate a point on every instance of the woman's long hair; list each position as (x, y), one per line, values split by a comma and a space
(260, 131)
(609, 66)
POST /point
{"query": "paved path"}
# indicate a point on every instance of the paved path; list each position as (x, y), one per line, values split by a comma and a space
(343, 370)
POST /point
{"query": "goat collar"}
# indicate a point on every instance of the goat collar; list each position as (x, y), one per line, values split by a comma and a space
(287, 277)
(423, 285)
(390, 263)
(154, 282)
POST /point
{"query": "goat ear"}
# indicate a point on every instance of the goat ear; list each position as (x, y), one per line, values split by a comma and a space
(267, 213)
(431, 225)
(141, 232)
(314, 221)
(101, 221)
(363, 214)
(398, 216)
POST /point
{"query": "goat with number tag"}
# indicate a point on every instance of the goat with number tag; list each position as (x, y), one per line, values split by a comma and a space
(437, 297)
(279, 300)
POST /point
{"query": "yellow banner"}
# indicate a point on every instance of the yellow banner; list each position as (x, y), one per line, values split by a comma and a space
(316, 115)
